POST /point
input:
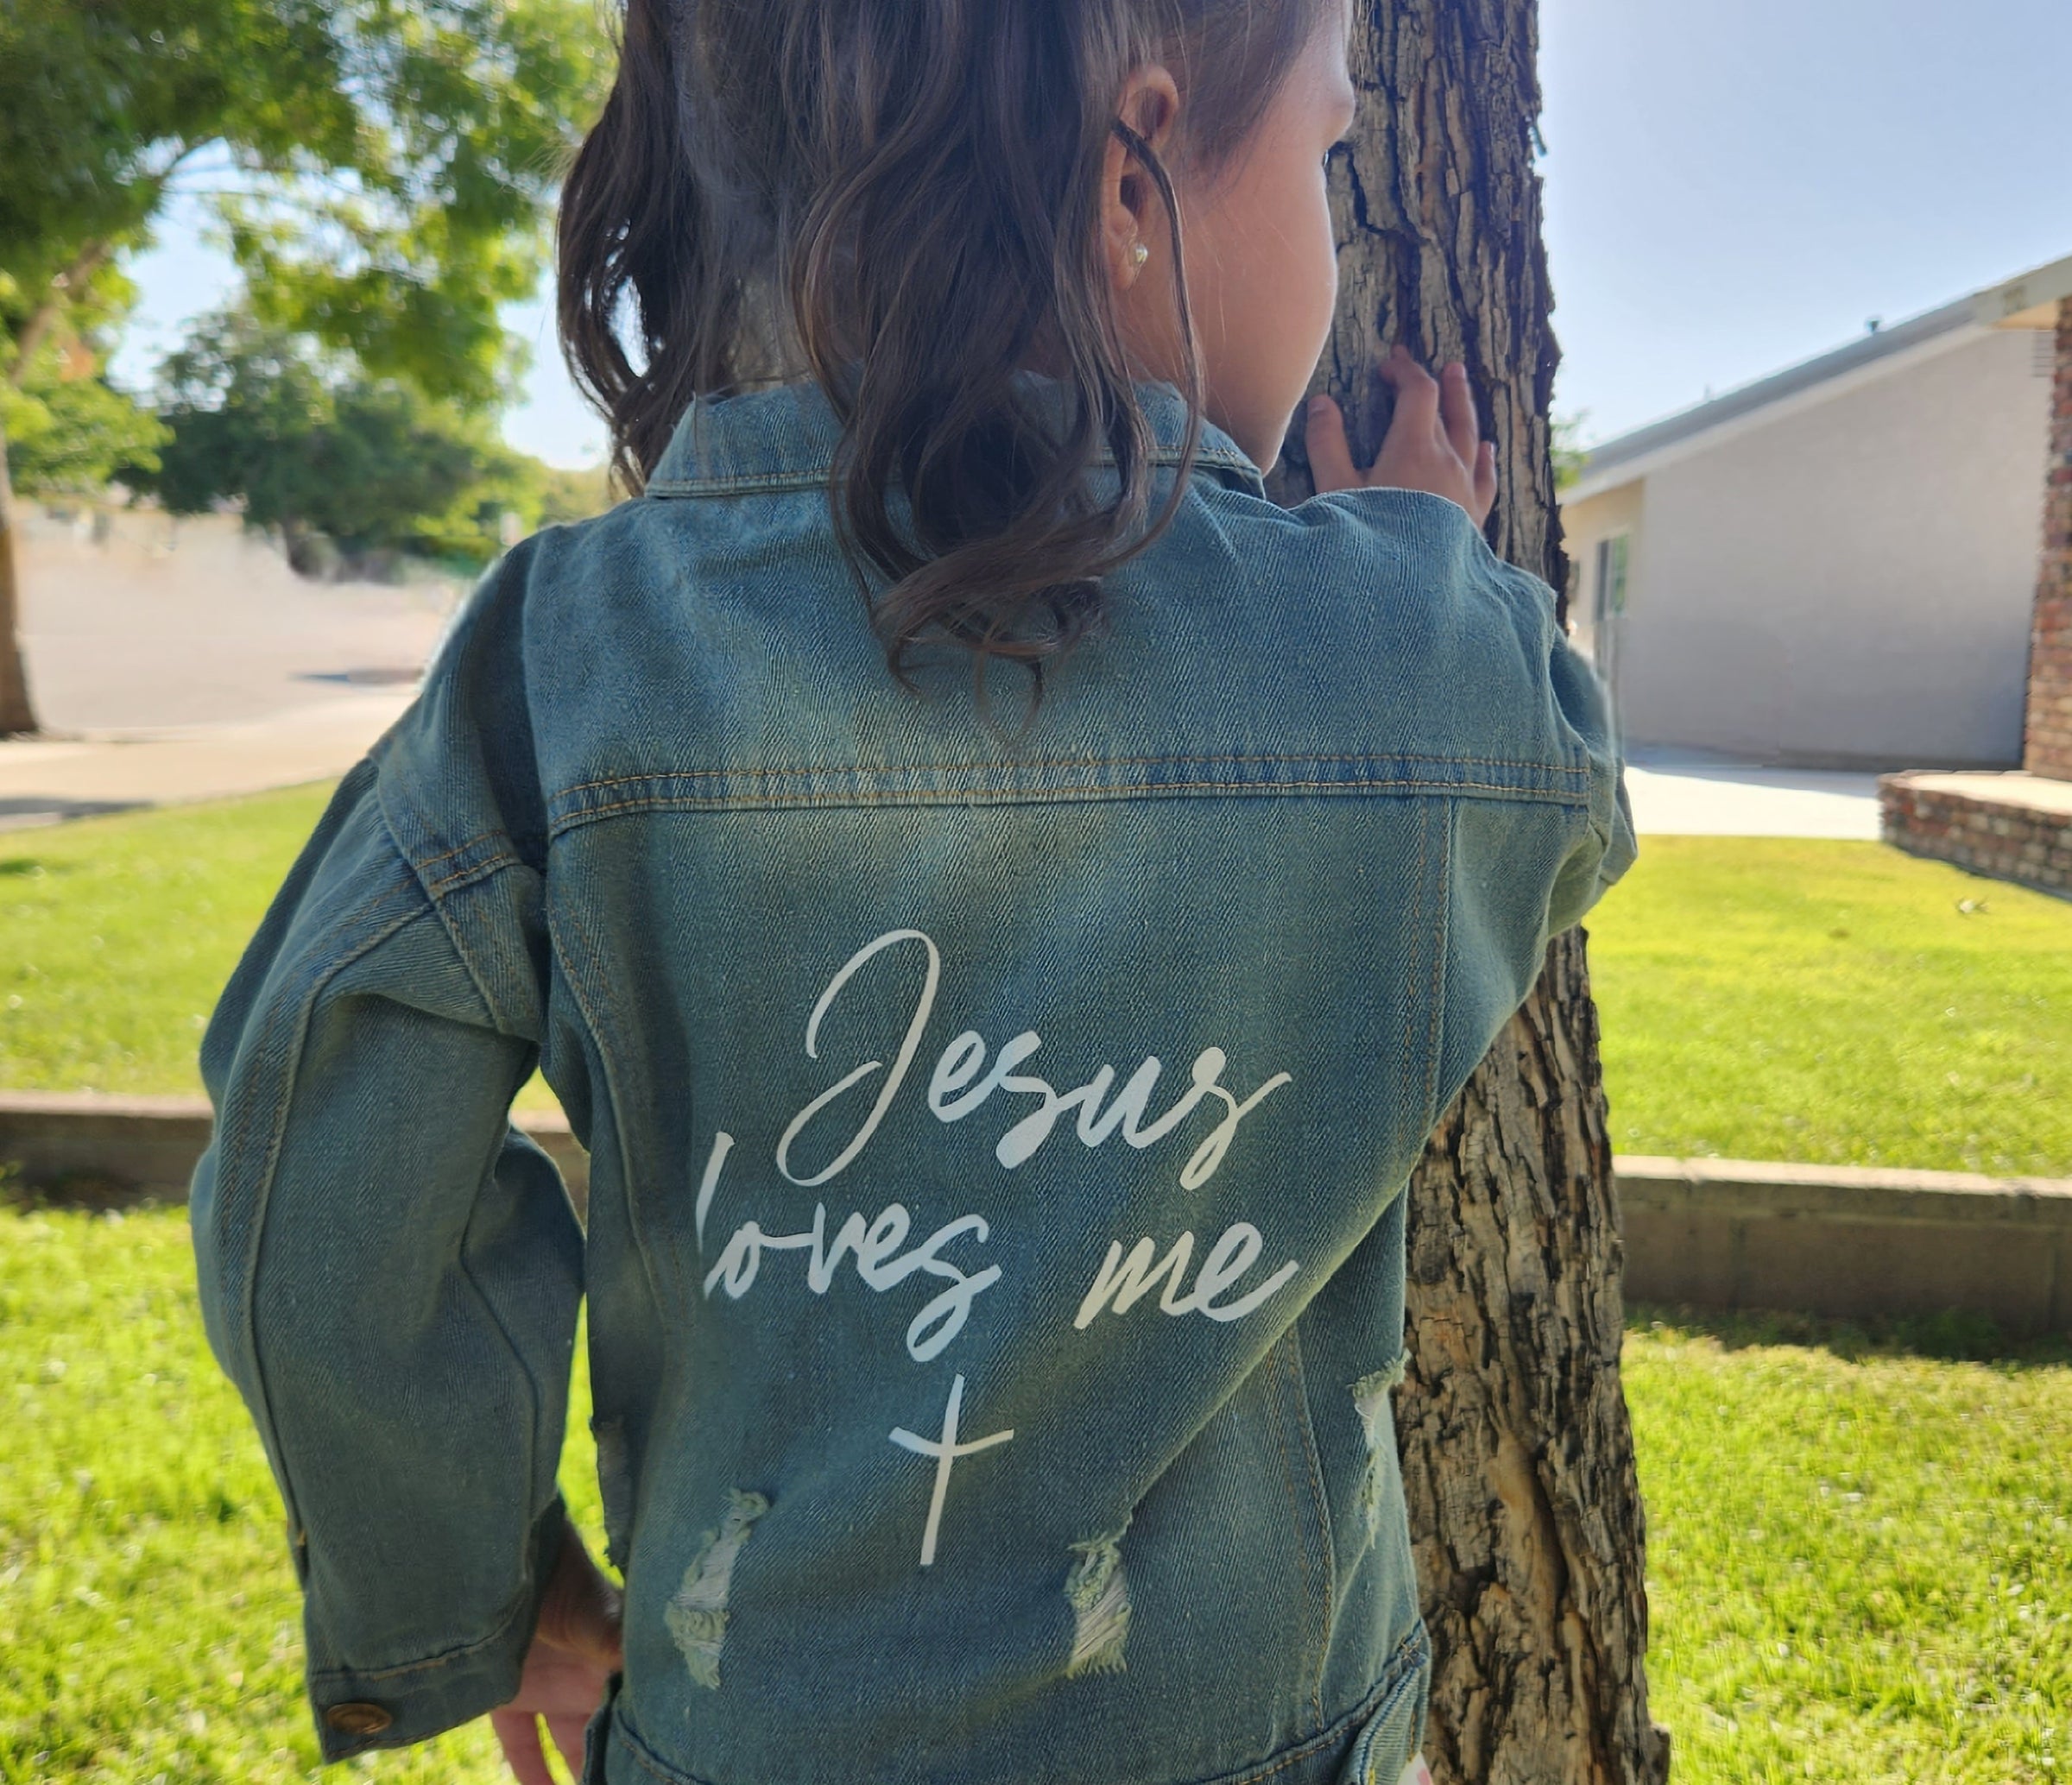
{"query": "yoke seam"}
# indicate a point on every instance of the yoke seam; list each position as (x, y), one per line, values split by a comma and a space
(772, 801)
(945, 768)
(819, 477)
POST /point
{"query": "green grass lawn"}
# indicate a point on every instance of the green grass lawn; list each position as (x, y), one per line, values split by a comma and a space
(116, 934)
(1775, 997)
(1762, 998)
(150, 1626)
(1860, 1556)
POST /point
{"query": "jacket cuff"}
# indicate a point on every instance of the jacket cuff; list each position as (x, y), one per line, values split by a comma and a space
(358, 1710)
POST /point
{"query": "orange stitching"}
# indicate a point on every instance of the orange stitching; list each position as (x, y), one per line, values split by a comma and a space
(614, 1086)
(804, 477)
(1410, 1014)
(945, 768)
(1312, 1462)
(239, 1132)
(445, 854)
(1302, 1547)
(720, 802)
(1437, 1036)
(481, 870)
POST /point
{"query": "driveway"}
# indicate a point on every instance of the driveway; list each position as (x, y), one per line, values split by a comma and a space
(184, 661)
(1695, 793)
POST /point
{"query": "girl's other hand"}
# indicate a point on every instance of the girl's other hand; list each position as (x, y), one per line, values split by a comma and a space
(576, 1649)
(1433, 443)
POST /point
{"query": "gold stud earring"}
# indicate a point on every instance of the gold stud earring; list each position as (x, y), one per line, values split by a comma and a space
(1139, 253)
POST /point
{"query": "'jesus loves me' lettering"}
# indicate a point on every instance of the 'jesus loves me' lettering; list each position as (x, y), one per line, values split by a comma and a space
(966, 1078)
(961, 1083)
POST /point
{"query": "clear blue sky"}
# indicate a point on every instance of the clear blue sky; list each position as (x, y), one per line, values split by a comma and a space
(1730, 189)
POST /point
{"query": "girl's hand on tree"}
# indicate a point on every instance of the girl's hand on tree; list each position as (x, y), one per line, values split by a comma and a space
(1433, 443)
(576, 1649)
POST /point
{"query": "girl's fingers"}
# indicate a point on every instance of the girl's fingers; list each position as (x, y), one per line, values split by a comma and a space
(518, 1735)
(1331, 453)
(1456, 412)
(567, 1732)
(1417, 391)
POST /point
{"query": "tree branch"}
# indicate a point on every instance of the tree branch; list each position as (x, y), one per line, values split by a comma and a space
(56, 295)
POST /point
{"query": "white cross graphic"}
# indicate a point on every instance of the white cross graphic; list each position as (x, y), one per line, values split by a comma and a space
(945, 1450)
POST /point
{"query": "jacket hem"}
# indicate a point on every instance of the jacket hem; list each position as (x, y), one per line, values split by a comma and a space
(1318, 1758)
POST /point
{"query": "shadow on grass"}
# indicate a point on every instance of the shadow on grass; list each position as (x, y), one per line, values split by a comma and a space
(76, 1192)
(1953, 1336)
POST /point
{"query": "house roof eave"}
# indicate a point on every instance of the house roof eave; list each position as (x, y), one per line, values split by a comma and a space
(1632, 455)
(2030, 300)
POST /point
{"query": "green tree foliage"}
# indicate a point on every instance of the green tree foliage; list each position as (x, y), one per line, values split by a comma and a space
(383, 166)
(382, 170)
(312, 446)
(70, 430)
(573, 495)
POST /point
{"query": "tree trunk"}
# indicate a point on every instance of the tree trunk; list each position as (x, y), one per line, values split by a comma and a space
(1517, 1458)
(16, 714)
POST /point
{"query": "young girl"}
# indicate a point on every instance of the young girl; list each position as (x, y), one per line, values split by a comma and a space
(1001, 902)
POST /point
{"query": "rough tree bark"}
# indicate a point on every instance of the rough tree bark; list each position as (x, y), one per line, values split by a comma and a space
(1518, 1458)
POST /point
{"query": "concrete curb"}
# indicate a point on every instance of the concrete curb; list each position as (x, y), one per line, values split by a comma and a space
(1720, 1234)
(1846, 1241)
(83, 1146)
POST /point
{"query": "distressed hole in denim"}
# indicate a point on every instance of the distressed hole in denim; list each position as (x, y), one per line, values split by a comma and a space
(1370, 1401)
(696, 1616)
(615, 1487)
(1099, 1596)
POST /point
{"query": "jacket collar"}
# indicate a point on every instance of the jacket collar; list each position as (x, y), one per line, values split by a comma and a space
(784, 436)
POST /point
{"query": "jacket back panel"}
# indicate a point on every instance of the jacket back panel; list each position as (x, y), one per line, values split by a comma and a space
(1049, 1095)
(998, 1134)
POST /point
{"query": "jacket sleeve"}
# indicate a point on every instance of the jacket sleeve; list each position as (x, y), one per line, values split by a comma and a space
(1584, 711)
(389, 1271)
(1518, 873)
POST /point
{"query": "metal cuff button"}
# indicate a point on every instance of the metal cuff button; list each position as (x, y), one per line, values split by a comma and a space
(358, 1719)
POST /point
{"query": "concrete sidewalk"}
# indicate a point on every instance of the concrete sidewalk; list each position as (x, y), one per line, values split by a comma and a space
(43, 781)
(1691, 794)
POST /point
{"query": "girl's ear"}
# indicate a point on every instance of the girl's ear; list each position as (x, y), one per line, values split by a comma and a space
(1132, 220)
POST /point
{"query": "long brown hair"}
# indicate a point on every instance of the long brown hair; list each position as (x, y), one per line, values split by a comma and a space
(900, 198)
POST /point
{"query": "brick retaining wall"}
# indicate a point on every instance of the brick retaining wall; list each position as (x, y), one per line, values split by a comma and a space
(2018, 826)
(2014, 826)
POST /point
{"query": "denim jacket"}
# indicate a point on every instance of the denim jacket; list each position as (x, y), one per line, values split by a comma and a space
(994, 1243)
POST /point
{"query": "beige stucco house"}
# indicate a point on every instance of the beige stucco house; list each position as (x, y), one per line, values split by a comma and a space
(1834, 565)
